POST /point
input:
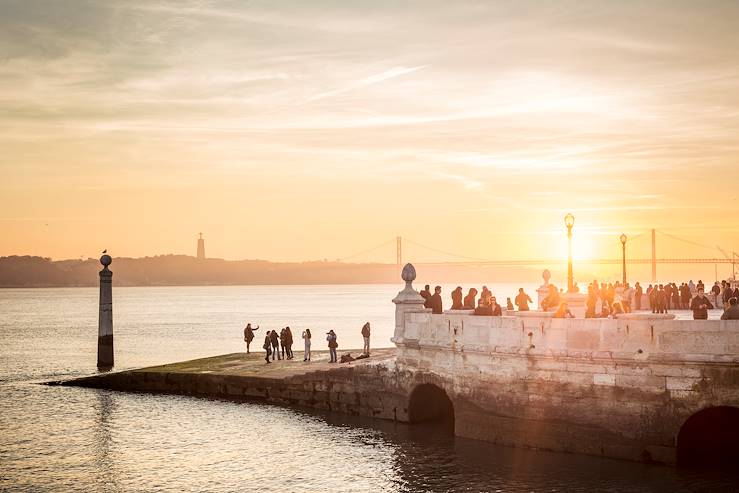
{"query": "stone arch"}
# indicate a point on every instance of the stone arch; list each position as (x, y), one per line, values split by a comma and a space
(710, 438)
(430, 403)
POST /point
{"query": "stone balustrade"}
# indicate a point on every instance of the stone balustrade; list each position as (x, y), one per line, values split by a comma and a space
(639, 337)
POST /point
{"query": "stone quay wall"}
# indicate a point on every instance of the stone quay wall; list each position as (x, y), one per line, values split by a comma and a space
(614, 387)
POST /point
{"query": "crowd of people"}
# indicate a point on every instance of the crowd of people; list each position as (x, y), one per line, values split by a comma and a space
(604, 300)
(279, 346)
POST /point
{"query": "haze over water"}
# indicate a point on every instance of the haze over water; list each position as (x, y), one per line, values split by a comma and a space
(74, 439)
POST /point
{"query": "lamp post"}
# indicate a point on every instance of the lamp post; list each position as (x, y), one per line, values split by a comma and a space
(569, 222)
(623, 256)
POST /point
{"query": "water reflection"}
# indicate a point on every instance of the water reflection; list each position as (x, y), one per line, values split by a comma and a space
(103, 452)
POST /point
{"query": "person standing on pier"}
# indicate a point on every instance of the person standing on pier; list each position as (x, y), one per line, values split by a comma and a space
(249, 335)
(306, 343)
(523, 300)
(267, 345)
(638, 291)
(275, 340)
(700, 305)
(366, 336)
(289, 342)
(332, 345)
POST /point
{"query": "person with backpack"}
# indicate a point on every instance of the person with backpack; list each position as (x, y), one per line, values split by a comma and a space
(332, 345)
(267, 346)
(306, 342)
(366, 336)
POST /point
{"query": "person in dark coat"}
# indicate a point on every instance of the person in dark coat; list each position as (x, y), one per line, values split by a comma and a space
(469, 300)
(426, 294)
(495, 307)
(249, 335)
(732, 312)
(282, 343)
(267, 345)
(275, 340)
(457, 298)
(638, 292)
(483, 309)
(435, 302)
(700, 306)
(289, 342)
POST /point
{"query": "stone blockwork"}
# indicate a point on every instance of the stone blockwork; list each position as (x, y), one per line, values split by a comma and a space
(614, 387)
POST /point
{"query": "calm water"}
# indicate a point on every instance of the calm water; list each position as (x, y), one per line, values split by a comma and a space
(69, 439)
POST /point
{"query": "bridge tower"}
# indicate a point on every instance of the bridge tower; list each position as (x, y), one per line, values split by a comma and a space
(201, 247)
(654, 257)
(399, 251)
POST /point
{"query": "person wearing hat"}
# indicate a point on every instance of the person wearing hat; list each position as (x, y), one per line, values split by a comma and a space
(332, 345)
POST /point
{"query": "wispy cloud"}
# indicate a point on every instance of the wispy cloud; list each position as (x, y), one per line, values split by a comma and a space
(366, 81)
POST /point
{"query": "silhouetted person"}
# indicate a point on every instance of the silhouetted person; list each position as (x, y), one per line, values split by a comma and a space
(366, 337)
(289, 342)
(282, 343)
(435, 301)
(332, 345)
(483, 309)
(563, 311)
(306, 344)
(275, 339)
(638, 292)
(469, 300)
(700, 305)
(457, 298)
(495, 307)
(732, 312)
(267, 345)
(249, 335)
(591, 302)
(485, 296)
(509, 304)
(425, 294)
(551, 300)
(522, 301)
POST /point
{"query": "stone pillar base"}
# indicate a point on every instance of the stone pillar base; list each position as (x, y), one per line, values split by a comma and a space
(105, 351)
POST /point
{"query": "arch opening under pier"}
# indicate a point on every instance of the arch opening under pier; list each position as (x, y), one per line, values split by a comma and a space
(710, 438)
(430, 403)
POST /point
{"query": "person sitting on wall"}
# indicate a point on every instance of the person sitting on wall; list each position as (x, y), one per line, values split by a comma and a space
(617, 309)
(469, 300)
(563, 311)
(483, 309)
(495, 308)
(732, 312)
(700, 304)
(509, 304)
(551, 300)
(435, 301)
(457, 298)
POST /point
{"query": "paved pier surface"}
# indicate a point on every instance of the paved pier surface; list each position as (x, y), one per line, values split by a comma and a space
(253, 364)
(356, 388)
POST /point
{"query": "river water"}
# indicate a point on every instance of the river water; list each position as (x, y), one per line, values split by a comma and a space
(73, 439)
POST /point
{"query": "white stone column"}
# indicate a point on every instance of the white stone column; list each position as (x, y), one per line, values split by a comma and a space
(407, 301)
(105, 319)
(543, 290)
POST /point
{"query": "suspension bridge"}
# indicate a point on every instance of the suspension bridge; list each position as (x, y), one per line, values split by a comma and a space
(465, 260)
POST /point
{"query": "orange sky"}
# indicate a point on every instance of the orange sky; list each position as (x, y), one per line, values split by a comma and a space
(310, 130)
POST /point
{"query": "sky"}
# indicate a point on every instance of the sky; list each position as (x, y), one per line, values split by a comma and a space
(300, 130)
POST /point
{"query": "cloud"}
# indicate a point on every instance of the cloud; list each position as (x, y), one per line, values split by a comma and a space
(367, 81)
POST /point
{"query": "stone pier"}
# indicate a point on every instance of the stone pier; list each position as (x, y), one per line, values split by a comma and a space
(640, 387)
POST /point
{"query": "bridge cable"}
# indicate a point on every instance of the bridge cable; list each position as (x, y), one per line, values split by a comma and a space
(377, 247)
